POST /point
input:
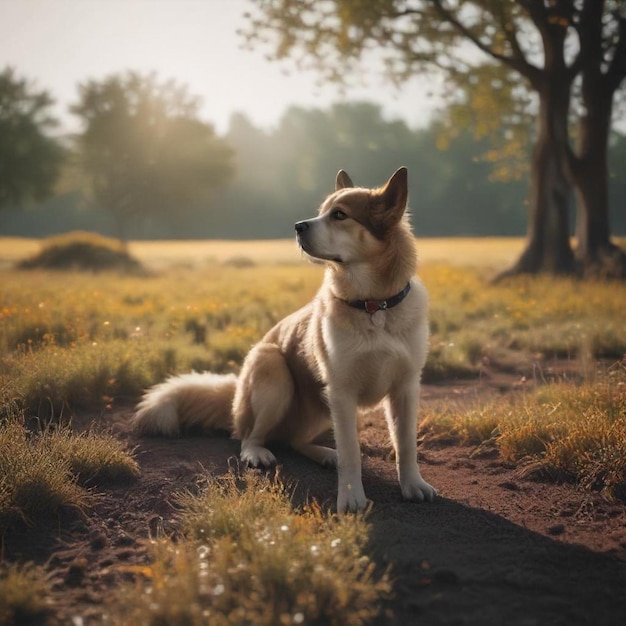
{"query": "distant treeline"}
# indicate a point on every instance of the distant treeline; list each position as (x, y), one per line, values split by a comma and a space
(282, 175)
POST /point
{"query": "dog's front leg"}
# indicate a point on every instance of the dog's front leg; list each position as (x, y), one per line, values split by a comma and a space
(350, 493)
(401, 411)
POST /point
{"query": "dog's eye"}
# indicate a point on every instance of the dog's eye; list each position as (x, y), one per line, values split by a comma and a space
(338, 215)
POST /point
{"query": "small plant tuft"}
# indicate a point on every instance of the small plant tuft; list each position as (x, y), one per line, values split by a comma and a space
(43, 473)
(248, 558)
(25, 591)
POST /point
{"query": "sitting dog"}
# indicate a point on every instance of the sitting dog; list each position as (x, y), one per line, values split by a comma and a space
(361, 341)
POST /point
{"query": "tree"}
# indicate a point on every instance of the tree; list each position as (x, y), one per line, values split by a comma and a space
(603, 68)
(545, 42)
(145, 151)
(30, 160)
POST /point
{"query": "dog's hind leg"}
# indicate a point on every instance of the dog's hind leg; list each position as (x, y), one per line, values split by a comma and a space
(264, 394)
(327, 457)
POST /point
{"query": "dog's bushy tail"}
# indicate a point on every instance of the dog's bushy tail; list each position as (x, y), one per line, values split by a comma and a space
(201, 400)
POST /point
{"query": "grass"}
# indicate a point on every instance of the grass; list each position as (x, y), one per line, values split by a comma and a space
(247, 557)
(560, 431)
(24, 595)
(46, 473)
(73, 342)
(70, 343)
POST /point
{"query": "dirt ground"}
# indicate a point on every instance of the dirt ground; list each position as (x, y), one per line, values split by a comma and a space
(494, 548)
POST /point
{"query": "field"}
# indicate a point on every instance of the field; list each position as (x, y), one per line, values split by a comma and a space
(523, 430)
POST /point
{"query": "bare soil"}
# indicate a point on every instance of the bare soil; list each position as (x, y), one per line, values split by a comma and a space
(493, 549)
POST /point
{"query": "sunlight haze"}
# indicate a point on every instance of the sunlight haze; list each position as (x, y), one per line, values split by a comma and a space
(59, 43)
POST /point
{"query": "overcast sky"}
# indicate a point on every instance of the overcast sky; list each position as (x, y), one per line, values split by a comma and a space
(59, 43)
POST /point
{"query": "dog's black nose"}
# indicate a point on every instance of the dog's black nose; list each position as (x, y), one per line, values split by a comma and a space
(301, 227)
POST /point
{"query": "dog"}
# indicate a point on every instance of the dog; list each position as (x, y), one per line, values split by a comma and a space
(361, 341)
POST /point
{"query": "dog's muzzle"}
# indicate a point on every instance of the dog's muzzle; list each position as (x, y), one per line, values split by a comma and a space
(301, 230)
(301, 227)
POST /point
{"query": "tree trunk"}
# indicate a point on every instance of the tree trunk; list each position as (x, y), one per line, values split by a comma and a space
(590, 177)
(596, 254)
(548, 249)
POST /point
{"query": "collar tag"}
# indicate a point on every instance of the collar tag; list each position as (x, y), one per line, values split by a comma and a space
(371, 306)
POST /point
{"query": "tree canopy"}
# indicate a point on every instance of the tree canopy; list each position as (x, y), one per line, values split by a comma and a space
(30, 158)
(144, 149)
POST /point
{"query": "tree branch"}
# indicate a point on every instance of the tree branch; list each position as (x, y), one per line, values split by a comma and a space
(517, 63)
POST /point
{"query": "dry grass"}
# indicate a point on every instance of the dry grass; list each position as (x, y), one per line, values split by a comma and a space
(24, 595)
(73, 342)
(46, 473)
(560, 431)
(248, 558)
(490, 253)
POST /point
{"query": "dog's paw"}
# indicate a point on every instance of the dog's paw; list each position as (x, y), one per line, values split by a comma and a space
(257, 456)
(329, 460)
(351, 498)
(327, 457)
(417, 489)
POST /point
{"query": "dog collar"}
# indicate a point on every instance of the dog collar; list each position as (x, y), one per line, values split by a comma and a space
(371, 306)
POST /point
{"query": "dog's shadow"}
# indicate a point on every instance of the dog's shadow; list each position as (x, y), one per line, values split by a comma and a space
(455, 564)
(450, 563)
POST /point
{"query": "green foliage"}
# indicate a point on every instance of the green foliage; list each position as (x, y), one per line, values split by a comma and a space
(82, 251)
(29, 159)
(145, 151)
(248, 558)
(282, 175)
(24, 595)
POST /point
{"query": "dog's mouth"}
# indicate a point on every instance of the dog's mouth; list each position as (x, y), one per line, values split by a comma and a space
(305, 247)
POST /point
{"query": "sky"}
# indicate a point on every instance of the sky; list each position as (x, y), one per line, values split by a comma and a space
(58, 44)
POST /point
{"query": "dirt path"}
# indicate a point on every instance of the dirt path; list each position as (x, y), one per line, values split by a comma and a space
(493, 549)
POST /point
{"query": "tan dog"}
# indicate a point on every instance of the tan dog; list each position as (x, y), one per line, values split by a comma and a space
(361, 341)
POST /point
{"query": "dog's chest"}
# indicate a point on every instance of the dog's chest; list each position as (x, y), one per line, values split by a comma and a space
(369, 361)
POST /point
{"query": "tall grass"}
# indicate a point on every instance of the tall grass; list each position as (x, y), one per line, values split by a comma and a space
(73, 341)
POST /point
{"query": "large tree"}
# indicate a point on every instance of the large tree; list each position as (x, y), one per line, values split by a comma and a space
(603, 68)
(144, 149)
(30, 159)
(545, 44)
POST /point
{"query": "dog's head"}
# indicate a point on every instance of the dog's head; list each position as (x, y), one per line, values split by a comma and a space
(354, 223)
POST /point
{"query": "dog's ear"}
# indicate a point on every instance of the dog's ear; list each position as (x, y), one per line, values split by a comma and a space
(395, 193)
(390, 200)
(342, 181)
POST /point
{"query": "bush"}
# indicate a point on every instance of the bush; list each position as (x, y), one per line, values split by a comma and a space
(83, 251)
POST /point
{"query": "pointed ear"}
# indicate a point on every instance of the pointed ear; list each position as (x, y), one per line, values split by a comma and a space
(389, 202)
(395, 193)
(342, 181)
